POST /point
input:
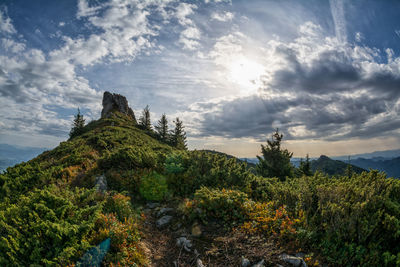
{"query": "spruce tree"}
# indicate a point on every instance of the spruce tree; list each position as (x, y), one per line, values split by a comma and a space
(144, 120)
(178, 137)
(275, 162)
(162, 128)
(78, 124)
(305, 166)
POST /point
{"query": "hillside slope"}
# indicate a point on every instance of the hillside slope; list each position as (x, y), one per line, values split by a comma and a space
(332, 167)
(49, 213)
(115, 195)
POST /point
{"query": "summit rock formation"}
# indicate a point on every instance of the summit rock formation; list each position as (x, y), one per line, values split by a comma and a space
(115, 102)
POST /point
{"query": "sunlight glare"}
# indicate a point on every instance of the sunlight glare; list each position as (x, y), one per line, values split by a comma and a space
(246, 73)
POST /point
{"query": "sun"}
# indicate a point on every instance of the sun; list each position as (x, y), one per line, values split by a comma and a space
(246, 73)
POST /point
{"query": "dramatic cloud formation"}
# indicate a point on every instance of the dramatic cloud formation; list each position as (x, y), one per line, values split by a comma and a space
(317, 87)
(232, 70)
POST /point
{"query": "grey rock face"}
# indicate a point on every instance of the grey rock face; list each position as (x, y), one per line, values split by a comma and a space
(101, 183)
(163, 221)
(295, 261)
(115, 102)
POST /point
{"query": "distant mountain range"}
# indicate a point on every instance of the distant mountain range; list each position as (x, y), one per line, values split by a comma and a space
(387, 161)
(11, 155)
(385, 154)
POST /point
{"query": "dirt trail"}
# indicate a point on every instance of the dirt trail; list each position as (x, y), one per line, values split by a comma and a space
(161, 246)
(215, 248)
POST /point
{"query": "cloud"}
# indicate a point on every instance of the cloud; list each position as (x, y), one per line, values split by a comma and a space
(6, 24)
(314, 87)
(36, 79)
(223, 16)
(189, 38)
(183, 10)
(337, 10)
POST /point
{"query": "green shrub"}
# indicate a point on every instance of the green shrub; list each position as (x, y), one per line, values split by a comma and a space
(174, 164)
(188, 173)
(153, 186)
(226, 205)
(51, 226)
(120, 205)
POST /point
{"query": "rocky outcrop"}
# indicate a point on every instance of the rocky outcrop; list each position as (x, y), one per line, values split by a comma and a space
(101, 183)
(115, 102)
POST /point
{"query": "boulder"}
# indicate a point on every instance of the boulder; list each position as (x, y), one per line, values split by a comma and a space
(184, 243)
(164, 211)
(196, 230)
(293, 260)
(245, 262)
(101, 183)
(199, 263)
(163, 221)
(115, 102)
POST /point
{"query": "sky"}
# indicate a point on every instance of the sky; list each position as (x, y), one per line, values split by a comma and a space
(326, 73)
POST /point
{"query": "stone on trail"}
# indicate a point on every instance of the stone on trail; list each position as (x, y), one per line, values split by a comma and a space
(184, 242)
(245, 262)
(295, 261)
(163, 221)
(199, 263)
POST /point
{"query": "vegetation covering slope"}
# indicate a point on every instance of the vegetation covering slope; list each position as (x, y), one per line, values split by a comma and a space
(334, 167)
(50, 214)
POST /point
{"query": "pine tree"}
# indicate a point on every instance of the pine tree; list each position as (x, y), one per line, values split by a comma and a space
(178, 137)
(275, 162)
(305, 166)
(144, 120)
(78, 124)
(162, 128)
(349, 169)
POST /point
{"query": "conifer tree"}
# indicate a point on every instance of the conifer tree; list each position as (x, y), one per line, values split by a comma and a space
(178, 137)
(78, 124)
(162, 128)
(275, 162)
(144, 120)
(305, 166)
(349, 169)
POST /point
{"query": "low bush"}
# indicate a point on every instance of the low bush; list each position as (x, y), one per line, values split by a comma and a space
(125, 248)
(264, 218)
(153, 186)
(227, 205)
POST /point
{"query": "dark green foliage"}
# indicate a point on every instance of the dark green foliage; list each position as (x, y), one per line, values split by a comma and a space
(351, 222)
(305, 166)
(178, 136)
(51, 226)
(144, 120)
(275, 162)
(174, 163)
(153, 186)
(227, 205)
(79, 123)
(200, 168)
(130, 157)
(162, 128)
